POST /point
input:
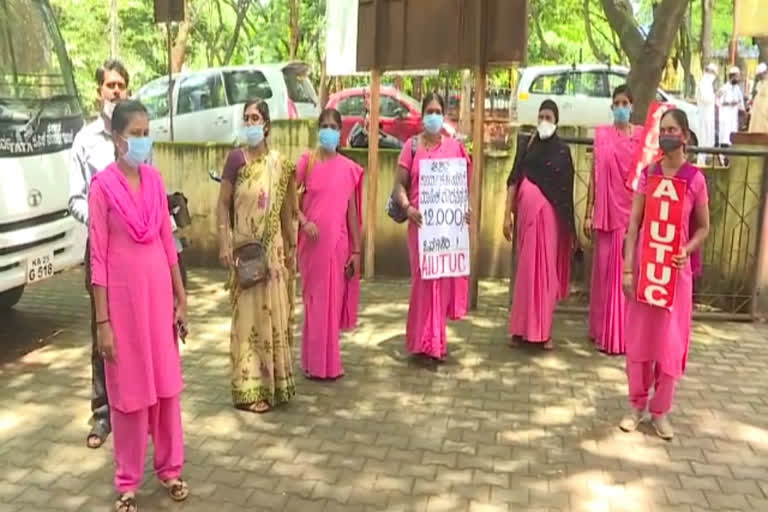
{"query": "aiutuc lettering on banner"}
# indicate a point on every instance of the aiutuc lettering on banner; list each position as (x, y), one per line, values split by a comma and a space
(648, 152)
(662, 229)
(444, 234)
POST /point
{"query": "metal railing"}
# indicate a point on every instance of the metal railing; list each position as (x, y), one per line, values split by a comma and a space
(737, 191)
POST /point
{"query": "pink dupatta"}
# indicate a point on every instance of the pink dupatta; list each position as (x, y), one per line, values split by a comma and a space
(614, 153)
(144, 212)
(352, 288)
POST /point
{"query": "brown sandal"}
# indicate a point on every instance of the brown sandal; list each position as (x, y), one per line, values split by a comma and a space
(177, 489)
(126, 503)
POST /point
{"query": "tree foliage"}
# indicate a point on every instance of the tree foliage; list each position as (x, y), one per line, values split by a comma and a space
(233, 32)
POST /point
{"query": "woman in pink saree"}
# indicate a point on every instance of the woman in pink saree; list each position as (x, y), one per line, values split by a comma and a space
(432, 301)
(657, 338)
(331, 191)
(135, 276)
(540, 194)
(606, 220)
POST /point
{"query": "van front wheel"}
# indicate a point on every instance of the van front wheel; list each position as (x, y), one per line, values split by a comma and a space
(10, 298)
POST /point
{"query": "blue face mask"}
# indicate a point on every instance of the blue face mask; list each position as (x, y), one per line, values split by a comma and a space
(433, 123)
(622, 114)
(329, 138)
(254, 135)
(139, 149)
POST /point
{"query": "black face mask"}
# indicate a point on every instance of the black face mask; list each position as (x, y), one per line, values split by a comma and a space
(734, 81)
(669, 143)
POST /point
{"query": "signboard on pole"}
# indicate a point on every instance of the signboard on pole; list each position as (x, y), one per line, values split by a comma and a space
(444, 234)
(167, 11)
(648, 152)
(662, 227)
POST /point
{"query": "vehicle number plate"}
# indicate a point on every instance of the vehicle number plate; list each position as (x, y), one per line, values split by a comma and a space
(39, 268)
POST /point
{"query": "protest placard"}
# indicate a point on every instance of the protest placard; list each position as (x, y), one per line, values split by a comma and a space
(662, 230)
(443, 201)
(648, 152)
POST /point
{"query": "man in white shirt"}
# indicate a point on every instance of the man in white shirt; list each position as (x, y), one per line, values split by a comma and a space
(731, 102)
(705, 98)
(92, 151)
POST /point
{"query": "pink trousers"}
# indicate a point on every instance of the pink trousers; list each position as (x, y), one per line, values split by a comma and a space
(643, 375)
(130, 432)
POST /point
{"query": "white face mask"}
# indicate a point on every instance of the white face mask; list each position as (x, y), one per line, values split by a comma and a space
(546, 130)
(108, 109)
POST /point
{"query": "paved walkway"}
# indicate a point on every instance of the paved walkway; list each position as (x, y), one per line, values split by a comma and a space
(491, 430)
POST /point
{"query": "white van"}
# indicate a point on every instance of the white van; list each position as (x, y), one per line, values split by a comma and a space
(208, 104)
(582, 93)
(39, 117)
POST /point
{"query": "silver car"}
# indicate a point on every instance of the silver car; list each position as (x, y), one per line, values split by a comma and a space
(208, 104)
(582, 92)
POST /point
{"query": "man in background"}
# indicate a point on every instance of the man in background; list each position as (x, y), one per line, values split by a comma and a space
(758, 122)
(92, 151)
(705, 98)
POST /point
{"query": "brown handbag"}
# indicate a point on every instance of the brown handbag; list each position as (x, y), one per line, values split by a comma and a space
(251, 264)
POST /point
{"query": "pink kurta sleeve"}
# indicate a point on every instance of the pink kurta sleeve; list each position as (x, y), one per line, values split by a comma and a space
(702, 194)
(301, 168)
(166, 235)
(98, 234)
(406, 154)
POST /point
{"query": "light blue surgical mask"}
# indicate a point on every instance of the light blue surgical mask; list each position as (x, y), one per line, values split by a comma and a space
(254, 134)
(139, 150)
(329, 138)
(433, 123)
(622, 114)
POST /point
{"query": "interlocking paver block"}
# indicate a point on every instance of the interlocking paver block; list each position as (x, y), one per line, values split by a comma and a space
(491, 429)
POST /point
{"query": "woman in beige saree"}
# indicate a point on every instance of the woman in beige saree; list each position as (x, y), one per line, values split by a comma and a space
(257, 202)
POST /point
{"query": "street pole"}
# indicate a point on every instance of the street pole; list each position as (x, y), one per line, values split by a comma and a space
(170, 78)
(114, 31)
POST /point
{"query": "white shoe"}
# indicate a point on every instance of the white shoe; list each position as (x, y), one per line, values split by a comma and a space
(663, 428)
(631, 421)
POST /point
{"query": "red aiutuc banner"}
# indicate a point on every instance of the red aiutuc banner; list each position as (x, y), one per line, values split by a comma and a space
(662, 230)
(648, 152)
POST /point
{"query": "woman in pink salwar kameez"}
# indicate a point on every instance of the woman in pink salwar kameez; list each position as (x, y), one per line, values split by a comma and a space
(605, 222)
(540, 194)
(135, 276)
(331, 191)
(432, 301)
(657, 338)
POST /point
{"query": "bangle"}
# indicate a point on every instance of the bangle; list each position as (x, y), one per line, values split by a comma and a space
(102, 322)
(355, 253)
(629, 271)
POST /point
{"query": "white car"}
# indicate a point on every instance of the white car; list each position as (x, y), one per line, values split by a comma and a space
(208, 104)
(582, 93)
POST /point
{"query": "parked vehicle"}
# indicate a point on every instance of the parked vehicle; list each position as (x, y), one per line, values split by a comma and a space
(39, 117)
(582, 92)
(208, 104)
(399, 114)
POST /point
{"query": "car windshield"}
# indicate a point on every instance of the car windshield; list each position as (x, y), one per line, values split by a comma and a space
(39, 109)
(35, 77)
(300, 89)
(246, 84)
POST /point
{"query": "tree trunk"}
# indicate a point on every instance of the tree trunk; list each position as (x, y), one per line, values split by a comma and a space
(465, 108)
(596, 51)
(242, 10)
(114, 31)
(647, 57)
(706, 32)
(179, 50)
(418, 83)
(295, 29)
